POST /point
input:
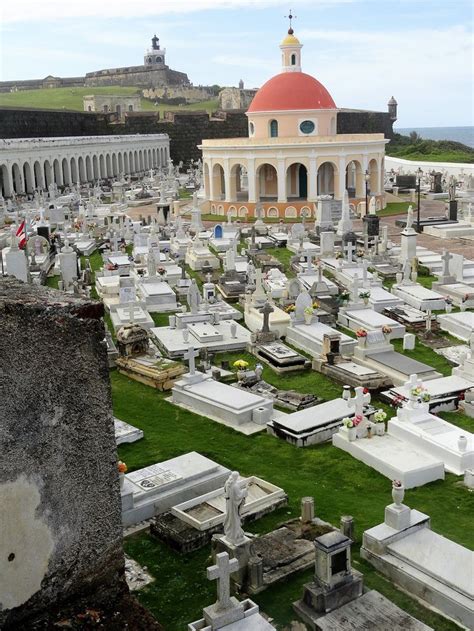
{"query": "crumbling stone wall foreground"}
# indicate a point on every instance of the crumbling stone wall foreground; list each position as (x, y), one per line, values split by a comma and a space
(60, 512)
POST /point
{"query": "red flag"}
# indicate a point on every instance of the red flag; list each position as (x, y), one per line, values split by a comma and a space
(21, 234)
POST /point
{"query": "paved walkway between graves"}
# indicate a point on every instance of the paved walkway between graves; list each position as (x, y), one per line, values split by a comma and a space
(429, 208)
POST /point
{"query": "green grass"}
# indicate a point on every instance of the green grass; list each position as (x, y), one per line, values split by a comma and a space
(438, 156)
(394, 208)
(339, 483)
(71, 99)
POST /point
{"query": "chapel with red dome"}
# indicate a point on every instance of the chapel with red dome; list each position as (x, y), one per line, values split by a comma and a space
(293, 153)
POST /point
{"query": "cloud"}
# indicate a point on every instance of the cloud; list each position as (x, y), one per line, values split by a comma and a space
(427, 70)
(53, 10)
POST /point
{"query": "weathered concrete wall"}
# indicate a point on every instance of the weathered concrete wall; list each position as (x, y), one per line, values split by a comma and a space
(192, 94)
(139, 76)
(364, 122)
(60, 517)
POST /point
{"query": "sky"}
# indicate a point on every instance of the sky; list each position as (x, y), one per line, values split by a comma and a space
(363, 51)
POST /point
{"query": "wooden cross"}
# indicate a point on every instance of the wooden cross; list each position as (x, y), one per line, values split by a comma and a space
(190, 355)
(221, 572)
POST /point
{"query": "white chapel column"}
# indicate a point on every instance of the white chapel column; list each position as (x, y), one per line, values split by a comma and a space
(228, 196)
(312, 180)
(251, 179)
(281, 178)
(342, 177)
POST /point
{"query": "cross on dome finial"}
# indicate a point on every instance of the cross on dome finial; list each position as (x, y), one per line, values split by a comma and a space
(290, 17)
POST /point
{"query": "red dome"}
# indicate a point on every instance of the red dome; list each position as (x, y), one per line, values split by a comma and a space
(292, 91)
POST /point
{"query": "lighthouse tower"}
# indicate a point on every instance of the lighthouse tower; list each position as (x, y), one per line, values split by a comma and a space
(155, 56)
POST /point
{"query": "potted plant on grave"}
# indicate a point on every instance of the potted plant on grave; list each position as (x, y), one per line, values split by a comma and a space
(338, 255)
(241, 365)
(379, 418)
(387, 331)
(344, 296)
(290, 309)
(398, 492)
(365, 295)
(308, 315)
(122, 469)
(360, 253)
(449, 304)
(351, 429)
(361, 335)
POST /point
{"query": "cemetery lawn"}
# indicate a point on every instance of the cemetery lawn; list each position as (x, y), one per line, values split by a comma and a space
(394, 208)
(71, 99)
(340, 484)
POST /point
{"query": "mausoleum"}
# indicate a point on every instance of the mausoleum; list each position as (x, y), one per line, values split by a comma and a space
(293, 153)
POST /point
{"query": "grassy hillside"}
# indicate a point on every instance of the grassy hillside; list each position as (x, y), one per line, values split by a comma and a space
(71, 99)
(414, 147)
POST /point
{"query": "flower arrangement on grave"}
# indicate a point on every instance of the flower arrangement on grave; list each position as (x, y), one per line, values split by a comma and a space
(290, 308)
(338, 255)
(397, 484)
(122, 467)
(399, 400)
(240, 364)
(361, 333)
(386, 330)
(315, 304)
(308, 310)
(467, 297)
(448, 300)
(380, 416)
(161, 271)
(347, 422)
(360, 253)
(344, 296)
(420, 393)
(365, 295)
(357, 420)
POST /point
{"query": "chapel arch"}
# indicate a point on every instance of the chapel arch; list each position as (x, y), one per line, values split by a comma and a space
(238, 190)
(218, 181)
(267, 182)
(327, 178)
(355, 179)
(297, 182)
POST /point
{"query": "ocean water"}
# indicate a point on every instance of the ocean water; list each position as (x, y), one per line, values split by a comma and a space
(459, 134)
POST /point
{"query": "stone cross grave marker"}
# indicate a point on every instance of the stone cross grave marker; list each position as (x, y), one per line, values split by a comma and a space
(266, 310)
(191, 355)
(349, 249)
(355, 288)
(359, 400)
(446, 257)
(221, 572)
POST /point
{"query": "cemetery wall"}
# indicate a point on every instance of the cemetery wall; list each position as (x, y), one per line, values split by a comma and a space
(59, 490)
(185, 129)
(364, 122)
(136, 76)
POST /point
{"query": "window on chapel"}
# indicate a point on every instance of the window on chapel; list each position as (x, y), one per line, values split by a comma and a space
(273, 129)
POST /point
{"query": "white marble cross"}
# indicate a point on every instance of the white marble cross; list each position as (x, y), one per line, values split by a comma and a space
(191, 355)
(349, 249)
(221, 572)
(413, 382)
(446, 257)
(355, 288)
(428, 320)
(359, 400)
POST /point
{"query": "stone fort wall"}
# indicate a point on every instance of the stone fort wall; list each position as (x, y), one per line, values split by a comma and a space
(185, 129)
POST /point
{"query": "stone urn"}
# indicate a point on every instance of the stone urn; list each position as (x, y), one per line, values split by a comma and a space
(380, 428)
(352, 434)
(398, 494)
(462, 443)
(362, 341)
(122, 480)
(449, 307)
(366, 301)
(233, 329)
(308, 317)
